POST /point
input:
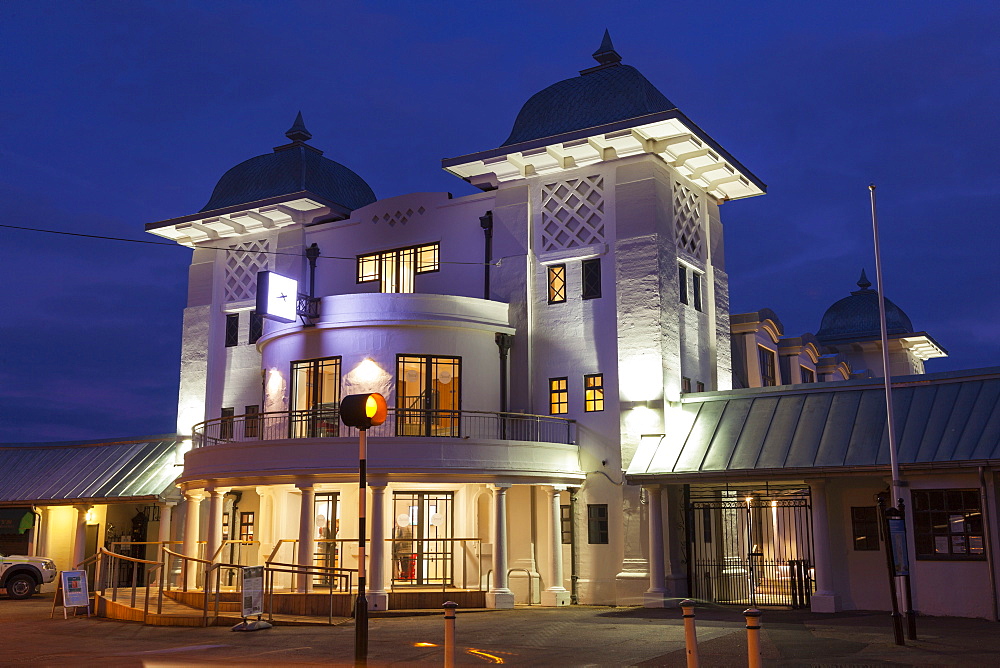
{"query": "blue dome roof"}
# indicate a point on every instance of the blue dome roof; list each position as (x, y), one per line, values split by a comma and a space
(292, 168)
(856, 317)
(604, 94)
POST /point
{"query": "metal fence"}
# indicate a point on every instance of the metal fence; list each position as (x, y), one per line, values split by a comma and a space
(325, 423)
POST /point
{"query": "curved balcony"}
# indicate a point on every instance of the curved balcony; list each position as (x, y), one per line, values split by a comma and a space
(272, 448)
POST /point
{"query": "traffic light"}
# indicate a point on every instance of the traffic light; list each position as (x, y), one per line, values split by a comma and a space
(363, 410)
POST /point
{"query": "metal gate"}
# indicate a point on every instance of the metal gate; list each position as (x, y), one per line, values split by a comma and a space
(750, 546)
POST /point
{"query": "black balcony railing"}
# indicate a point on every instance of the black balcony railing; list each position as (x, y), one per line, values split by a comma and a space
(325, 423)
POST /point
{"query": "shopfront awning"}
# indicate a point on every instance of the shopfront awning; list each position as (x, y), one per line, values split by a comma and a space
(93, 471)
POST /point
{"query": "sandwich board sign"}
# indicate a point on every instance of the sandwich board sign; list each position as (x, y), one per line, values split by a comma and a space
(76, 593)
(253, 591)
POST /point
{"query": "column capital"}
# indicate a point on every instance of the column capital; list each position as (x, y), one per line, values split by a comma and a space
(83, 507)
(194, 495)
(499, 487)
(304, 485)
(168, 504)
(217, 491)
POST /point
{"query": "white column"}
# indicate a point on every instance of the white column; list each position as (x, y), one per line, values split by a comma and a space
(555, 595)
(166, 513)
(378, 599)
(499, 595)
(307, 542)
(825, 599)
(655, 596)
(80, 543)
(265, 523)
(192, 531)
(215, 503)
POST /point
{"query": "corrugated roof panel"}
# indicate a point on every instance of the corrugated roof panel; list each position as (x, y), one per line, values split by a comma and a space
(984, 408)
(669, 448)
(912, 431)
(58, 472)
(840, 421)
(869, 425)
(755, 428)
(778, 438)
(902, 398)
(958, 418)
(937, 422)
(809, 430)
(988, 446)
(726, 435)
(696, 445)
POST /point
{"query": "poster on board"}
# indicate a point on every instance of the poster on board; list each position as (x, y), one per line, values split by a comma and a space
(76, 594)
(253, 590)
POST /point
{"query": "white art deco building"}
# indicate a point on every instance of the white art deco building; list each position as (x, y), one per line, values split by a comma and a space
(525, 337)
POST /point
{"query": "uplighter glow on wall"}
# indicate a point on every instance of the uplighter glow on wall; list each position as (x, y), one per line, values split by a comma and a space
(641, 378)
(367, 371)
(642, 420)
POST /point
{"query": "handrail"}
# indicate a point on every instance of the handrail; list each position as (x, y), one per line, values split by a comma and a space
(167, 552)
(324, 422)
(232, 541)
(277, 546)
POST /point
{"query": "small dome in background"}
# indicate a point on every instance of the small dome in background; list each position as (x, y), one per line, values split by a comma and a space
(857, 318)
(291, 168)
(603, 94)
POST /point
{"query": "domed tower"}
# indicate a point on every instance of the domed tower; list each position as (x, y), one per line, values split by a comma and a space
(851, 327)
(257, 213)
(614, 196)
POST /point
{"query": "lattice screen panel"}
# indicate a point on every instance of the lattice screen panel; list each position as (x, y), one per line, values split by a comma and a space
(573, 213)
(400, 216)
(687, 220)
(243, 261)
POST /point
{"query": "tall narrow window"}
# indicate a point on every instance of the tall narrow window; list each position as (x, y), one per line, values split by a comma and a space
(685, 385)
(597, 523)
(232, 330)
(557, 283)
(767, 367)
(315, 398)
(428, 395)
(246, 526)
(699, 386)
(591, 278)
(558, 396)
(251, 423)
(864, 527)
(256, 327)
(566, 524)
(696, 280)
(395, 269)
(593, 392)
(808, 375)
(226, 424)
(682, 284)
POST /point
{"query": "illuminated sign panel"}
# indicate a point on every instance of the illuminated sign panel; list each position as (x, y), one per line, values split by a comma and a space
(276, 296)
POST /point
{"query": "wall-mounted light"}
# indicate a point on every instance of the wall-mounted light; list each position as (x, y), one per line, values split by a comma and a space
(90, 516)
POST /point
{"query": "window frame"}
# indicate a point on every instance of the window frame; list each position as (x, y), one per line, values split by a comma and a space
(555, 284)
(803, 370)
(865, 530)
(226, 422)
(682, 284)
(763, 352)
(555, 393)
(428, 419)
(685, 385)
(371, 267)
(251, 421)
(256, 327)
(697, 291)
(566, 523)
(598, 524)
(232, 330)
(590, 278)
(593, 395)
(246, 525)
(925, 514)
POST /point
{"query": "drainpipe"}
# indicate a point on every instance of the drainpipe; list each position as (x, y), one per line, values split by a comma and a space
(573, 576)
(486, 222)
(989, 541)
(312, 254)
(504, 342)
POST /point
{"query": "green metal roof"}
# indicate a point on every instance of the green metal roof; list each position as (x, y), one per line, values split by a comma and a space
(942, 419)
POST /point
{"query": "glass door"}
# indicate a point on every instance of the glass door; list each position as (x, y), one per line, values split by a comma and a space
(428, 395)
(316, 397)
(327, 525)
(422, 549)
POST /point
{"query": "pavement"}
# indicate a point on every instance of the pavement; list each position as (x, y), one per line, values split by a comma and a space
(525, 636)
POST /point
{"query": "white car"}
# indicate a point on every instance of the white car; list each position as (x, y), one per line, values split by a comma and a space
(21, 575)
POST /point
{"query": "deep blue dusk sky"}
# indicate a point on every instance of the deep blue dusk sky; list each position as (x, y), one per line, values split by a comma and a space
(117, 114)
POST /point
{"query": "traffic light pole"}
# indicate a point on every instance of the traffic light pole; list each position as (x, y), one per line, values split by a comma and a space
(361, 605)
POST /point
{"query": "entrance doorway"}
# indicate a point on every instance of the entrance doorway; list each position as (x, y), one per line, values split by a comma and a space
(421, 539)
(750, 546)
(327, 525)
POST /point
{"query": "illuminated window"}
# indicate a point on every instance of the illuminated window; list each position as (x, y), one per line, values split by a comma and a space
(246, 526)
(591, 278)
(767, 367)
(557, 283)
(256, 327)
(864, 527)
(558, 396)
(682, 284)
(948, 524)
(593, 392)
(395, 269)
(428, 395)
(597, 523)
(315, 398)
(232, 330)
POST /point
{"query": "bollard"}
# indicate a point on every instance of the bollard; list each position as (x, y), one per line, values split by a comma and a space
(449, 633)
(753, 637)
(690, 636)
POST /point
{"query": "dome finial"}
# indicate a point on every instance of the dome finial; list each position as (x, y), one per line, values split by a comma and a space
(606, 54)
(863, 282)
(298, 130)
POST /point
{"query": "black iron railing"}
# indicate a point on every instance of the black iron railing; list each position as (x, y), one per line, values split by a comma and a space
(325, 423)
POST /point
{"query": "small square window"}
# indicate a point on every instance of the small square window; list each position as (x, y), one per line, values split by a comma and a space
(557, 283)
(593, 392)
(597, 523)
(591, 278)
(256, 327)
(864, 527)
(699, 386)
(685, 385)
(232, 330)
(682, 284)
(558, 396)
